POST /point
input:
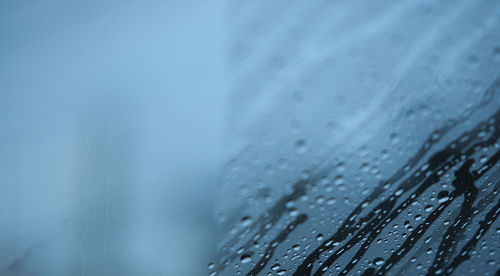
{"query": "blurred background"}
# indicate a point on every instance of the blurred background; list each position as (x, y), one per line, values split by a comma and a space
(185, 137)
(112, 129)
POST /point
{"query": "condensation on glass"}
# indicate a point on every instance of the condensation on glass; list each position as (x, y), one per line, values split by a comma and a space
(368, 140)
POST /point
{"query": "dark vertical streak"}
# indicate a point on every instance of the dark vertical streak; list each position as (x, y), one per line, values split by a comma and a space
(484, 226)
(268, 253)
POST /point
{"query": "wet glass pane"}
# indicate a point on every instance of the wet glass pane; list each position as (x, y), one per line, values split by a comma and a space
(187, 138)
(367, 140)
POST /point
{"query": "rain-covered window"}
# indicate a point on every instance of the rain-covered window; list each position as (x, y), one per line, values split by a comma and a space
(367, 140)
(186, 138)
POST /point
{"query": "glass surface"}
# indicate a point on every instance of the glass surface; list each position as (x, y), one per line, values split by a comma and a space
(187, 138)
(368, 140)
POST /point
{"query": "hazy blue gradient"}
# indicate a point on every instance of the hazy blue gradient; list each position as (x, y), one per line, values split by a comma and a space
(112, 128)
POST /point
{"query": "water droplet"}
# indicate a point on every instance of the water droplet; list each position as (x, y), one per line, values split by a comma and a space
(443, 196)
(339, 180)
(410, 114)
(340, 167)
(473, 61)
(496, 54)
(320, 199)
(385, 154)
(378, 261)
(483, 159)
(245, 259)
(246, 221)
(394, 138)
(293, 212)
(428, 239)
(300, 146)
(281, 272)
(331, 201)
(305, 175)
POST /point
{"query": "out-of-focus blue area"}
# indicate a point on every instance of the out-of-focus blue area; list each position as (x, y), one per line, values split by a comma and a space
(111, 124)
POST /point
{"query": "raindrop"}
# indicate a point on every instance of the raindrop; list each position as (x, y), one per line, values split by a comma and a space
(282, 163)
(320, 200)
(339, 180)
(385, 154)
(483, 159)
(293, 212)
(245, 259)
(428, 239)
(443, 196)
(246, 221)
(331, 201)
(300, 146)
(305, 175)
(474, 61)
(378, 261)
(394, 138)
(340, 167)
(281, 272)
(496, 54)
